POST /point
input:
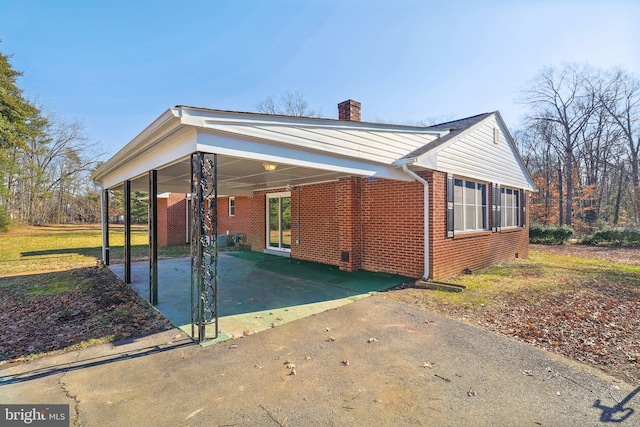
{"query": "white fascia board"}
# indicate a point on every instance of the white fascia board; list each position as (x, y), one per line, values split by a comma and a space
(163, 126)
(428, 160)
(255, 150)
(161, 155)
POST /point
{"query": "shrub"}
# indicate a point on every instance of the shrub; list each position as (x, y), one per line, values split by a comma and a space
(614, 237)
(549, 235)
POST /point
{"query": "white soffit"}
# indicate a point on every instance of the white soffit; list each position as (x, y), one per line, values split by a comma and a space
(294, 156)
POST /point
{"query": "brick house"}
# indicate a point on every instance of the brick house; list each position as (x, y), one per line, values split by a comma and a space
(417, 201)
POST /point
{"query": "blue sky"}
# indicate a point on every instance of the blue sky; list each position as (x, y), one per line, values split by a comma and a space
(117, 65)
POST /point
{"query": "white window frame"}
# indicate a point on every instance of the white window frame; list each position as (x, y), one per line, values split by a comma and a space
(509, 207)
(279, 250)
(480, 205)
(232, 206)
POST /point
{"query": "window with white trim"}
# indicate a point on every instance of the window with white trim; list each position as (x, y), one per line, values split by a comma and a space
(232, 206)
(510, 207)
(470, 207)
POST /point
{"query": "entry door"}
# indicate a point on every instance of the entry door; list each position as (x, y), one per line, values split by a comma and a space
(279, 221)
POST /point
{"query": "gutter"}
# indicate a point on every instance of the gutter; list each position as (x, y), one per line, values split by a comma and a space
(424, 182)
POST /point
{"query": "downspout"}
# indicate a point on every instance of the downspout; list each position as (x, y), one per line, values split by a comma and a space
(424, 182)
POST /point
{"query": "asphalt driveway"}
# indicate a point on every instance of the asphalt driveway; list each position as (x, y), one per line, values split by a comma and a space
(372, 362)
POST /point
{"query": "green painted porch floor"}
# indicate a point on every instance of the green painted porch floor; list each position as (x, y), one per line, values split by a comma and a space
(358, 281)
(257, 291)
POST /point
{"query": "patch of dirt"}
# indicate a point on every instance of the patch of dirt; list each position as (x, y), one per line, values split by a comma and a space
(54, 311)
(592, 321)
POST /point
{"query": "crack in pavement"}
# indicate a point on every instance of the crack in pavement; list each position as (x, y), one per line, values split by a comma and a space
(63, 387)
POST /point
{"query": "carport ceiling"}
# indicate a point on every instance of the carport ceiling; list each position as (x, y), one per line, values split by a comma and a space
(236, 176)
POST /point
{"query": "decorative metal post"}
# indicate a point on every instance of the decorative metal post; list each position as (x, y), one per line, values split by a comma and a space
(127, 232)
(204, 245)
(105, 226)
(153, 237)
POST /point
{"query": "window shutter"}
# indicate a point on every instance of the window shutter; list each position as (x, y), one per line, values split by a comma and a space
(494, 208)
(450, 190)
(523, 209)
(498, 208)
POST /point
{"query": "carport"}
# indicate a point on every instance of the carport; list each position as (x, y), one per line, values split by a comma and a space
(207, 153)
(257, 291)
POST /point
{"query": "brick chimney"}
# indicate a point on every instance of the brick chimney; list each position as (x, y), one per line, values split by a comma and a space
(349, 110)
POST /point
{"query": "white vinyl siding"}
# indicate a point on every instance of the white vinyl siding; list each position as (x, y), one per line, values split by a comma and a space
(357, 140)
(510, 207)
(470, 210)
(476, 155)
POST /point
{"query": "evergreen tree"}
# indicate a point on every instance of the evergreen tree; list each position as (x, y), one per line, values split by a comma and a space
(19, 121)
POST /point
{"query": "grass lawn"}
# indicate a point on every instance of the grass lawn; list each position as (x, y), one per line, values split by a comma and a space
(580, 301)
(53, 296)
(28, 249)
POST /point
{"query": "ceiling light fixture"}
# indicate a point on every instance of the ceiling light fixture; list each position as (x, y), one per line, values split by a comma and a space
(269, 166)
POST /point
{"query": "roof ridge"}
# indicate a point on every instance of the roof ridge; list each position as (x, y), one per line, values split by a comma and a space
(476, 117)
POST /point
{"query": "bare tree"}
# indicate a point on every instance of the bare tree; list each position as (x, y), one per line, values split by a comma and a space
(51, 172)
(567, 99)
(622, 102)
(289, 103)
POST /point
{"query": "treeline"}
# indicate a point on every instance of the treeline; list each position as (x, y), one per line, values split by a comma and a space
(45, 162)
(580, 140)
(581, 143)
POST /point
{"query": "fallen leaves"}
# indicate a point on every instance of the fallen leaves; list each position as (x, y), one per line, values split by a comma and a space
(591, 326)
(100, 307)
(579, 304)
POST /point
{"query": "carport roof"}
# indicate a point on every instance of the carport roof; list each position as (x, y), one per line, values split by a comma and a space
(305, 150)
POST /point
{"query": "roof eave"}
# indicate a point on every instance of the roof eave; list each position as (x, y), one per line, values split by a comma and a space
(170, 118)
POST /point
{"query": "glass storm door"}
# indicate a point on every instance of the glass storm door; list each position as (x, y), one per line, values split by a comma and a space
(279, 221)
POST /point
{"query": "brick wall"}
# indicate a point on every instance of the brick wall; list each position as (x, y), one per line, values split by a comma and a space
(163, 231)
(392, 216)
(473, 251)
(348, 213)
(240, 222)
(258, 233)
(176, 225)
(317, 235)
(377, 225)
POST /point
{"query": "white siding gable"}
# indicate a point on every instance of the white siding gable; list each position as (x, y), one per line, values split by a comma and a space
(474, 154)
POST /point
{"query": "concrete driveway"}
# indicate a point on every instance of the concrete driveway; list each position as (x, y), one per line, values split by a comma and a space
(373, 362)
